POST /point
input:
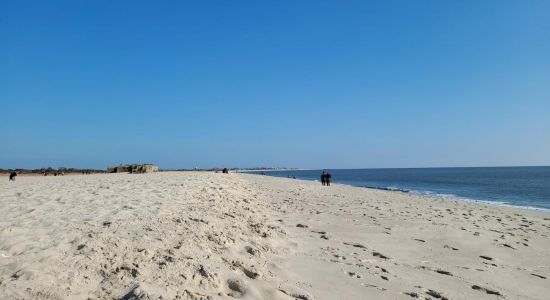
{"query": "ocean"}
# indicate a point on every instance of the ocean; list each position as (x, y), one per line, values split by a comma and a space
(527, 187)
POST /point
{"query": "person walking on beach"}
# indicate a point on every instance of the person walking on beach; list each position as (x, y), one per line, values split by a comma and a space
(328, 178)
(323, 178)
(12, 176)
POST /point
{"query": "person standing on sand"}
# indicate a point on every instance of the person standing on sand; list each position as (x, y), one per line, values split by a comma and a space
(328, 178)
(12, 176)
(323, 178)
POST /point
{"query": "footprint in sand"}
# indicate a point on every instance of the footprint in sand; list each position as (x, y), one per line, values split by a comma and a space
(374, 286)
(436, 294)
(449, 247)
(444, 272)
(378, 254)
(486, 290)
(249, 272)
(411, 294)
(252, 251)
(508, 246)
(539, 276)
(353, 274)
(295, 293)
(356, 245)
(237, 287)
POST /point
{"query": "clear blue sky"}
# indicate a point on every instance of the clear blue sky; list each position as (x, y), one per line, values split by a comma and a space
(312, 84)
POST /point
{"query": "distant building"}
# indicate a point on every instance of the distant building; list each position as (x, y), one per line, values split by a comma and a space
(133, 168)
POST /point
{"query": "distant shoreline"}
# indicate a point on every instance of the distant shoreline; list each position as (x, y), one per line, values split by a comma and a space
(454, 185)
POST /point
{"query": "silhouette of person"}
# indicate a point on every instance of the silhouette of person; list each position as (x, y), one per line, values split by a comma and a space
(323, 178)
(328, 178)
(12, 176)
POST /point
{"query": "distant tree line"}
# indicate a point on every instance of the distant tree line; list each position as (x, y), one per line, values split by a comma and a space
(50, 170)
(232, 169)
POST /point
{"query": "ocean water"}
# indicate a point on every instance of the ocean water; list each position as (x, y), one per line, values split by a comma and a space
(516, 186)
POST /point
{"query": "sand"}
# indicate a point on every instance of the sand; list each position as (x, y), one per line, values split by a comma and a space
(198, 235)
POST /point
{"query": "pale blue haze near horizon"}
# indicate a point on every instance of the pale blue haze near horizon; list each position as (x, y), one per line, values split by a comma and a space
(309, 84)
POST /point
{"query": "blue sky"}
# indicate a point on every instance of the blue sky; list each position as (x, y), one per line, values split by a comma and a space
(312, 84)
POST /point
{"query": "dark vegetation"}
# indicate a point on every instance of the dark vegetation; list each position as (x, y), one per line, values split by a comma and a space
(51, 170)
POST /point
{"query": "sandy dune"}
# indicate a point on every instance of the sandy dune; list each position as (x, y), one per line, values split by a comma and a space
(215, 236)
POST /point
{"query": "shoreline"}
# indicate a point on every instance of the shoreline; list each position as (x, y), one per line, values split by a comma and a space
(454, 198)
(422, 194)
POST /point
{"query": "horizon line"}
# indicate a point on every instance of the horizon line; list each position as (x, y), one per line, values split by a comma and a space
(295, 168)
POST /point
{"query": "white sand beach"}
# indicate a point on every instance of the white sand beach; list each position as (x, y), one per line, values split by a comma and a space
(198, 235)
